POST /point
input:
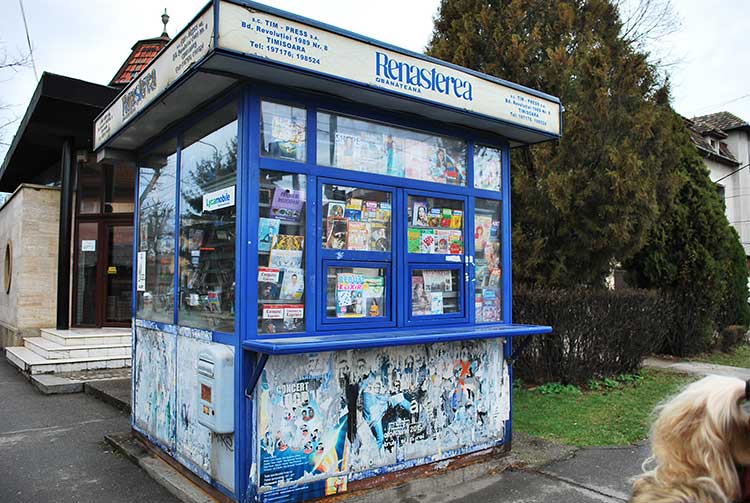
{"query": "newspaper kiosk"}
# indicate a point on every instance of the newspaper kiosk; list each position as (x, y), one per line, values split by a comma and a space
(322, 278)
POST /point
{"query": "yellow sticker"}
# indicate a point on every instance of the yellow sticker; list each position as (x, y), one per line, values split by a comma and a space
(112, 270)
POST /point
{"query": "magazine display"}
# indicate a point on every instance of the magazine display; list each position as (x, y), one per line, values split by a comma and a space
(285, 139)
(488, 271)
(269, 283)
(433, 293)
(368, 151)
(435, 230)
(279, 318)
(358, 224)
(286, 251)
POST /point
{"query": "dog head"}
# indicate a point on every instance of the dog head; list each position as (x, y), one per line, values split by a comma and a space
(704, 433)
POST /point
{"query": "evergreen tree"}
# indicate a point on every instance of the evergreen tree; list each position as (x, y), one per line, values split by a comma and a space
(594, 197)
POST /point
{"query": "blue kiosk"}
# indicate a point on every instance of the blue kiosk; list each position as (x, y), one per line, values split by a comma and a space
(322, 288)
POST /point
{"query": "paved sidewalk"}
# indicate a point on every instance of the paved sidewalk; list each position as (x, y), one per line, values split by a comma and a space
(52, 449)
(697, 368)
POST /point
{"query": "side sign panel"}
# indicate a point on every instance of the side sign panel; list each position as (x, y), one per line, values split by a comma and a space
(173, 61)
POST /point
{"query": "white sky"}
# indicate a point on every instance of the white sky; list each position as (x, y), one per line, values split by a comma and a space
(89, 40)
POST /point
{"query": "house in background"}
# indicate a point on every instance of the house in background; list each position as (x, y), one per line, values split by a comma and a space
(66, 231)
(723, 139)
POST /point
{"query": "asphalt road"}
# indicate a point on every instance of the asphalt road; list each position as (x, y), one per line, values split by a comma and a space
(52, 449)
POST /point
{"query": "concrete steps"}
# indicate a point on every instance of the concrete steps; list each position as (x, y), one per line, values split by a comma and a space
(57, 351)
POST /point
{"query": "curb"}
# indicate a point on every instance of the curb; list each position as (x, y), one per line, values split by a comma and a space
(173, 481)
(91, 388)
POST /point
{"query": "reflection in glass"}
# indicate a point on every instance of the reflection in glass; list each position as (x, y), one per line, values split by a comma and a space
(356, 219)
(355, 292)
(281, 253)
(87, 247)
(283, 129)
(434, 292)
(435, 226)
(488, 272)
(156, 239)
(118, 194)
(90, 189)
(207, 227)
(487, 168)
(370, 147)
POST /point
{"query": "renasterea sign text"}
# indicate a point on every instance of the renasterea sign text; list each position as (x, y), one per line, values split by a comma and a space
(295, 44)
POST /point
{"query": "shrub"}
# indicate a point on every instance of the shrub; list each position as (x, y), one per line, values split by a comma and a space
(732, 336)
(596, 333)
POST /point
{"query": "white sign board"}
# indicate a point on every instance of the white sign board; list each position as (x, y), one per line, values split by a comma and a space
(176, 58)
(141, 272)
(218, 199)
(88, 245)
(299, 45)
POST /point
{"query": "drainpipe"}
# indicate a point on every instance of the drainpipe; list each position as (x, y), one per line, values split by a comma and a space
(67, 167)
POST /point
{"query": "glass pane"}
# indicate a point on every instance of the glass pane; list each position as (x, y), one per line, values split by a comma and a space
(434, 292)
(355, 292)
(156, 238)
(487, 168)
(90, 189)
(119, 273)
(435, 226)
(120, 188)
(356, 219)
(488, 272)
(87, 247)
(208, 214)
(282, 131)
(281, 253)
(370, 147)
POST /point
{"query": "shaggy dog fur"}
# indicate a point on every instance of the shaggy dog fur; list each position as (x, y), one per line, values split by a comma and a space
(699, 439)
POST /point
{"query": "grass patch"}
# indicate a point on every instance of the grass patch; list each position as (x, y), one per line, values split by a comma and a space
(740, 357)
(618, 412)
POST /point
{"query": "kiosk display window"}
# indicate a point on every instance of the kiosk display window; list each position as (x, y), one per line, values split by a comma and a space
(487, 261)
(370, 147)
(281, 252)
(356, 292)
(156, 233)
(435, 292)
(435, 225)
(208, 214)
(487, 168)
(356, 219)
(283, 129)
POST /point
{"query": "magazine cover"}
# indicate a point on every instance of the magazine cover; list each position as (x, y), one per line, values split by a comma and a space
(286, 251)
(269, 283)
(418, 156)
(420, 301)
(414, 240)
(434, 217)
(346, 150)
(428, 243)
(419, 214)
(384, 212)
(293, 284)
(370, 210)
(478, 306)
(287, 204)
(358, 236)
(436, 302)
(482, 229)
(457, 219)
(394, 155)
(487, 168)
(279, 318)
(267, 229)
(379, 238)
(336, 209)
(456, 246)
(373, 292)
(443, 240)
(349, 295)
(336, 233)
(438, 280)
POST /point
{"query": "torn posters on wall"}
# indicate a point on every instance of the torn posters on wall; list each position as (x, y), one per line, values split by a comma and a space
(327, 418)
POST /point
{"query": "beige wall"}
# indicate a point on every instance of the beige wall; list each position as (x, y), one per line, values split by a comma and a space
(30, 219)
